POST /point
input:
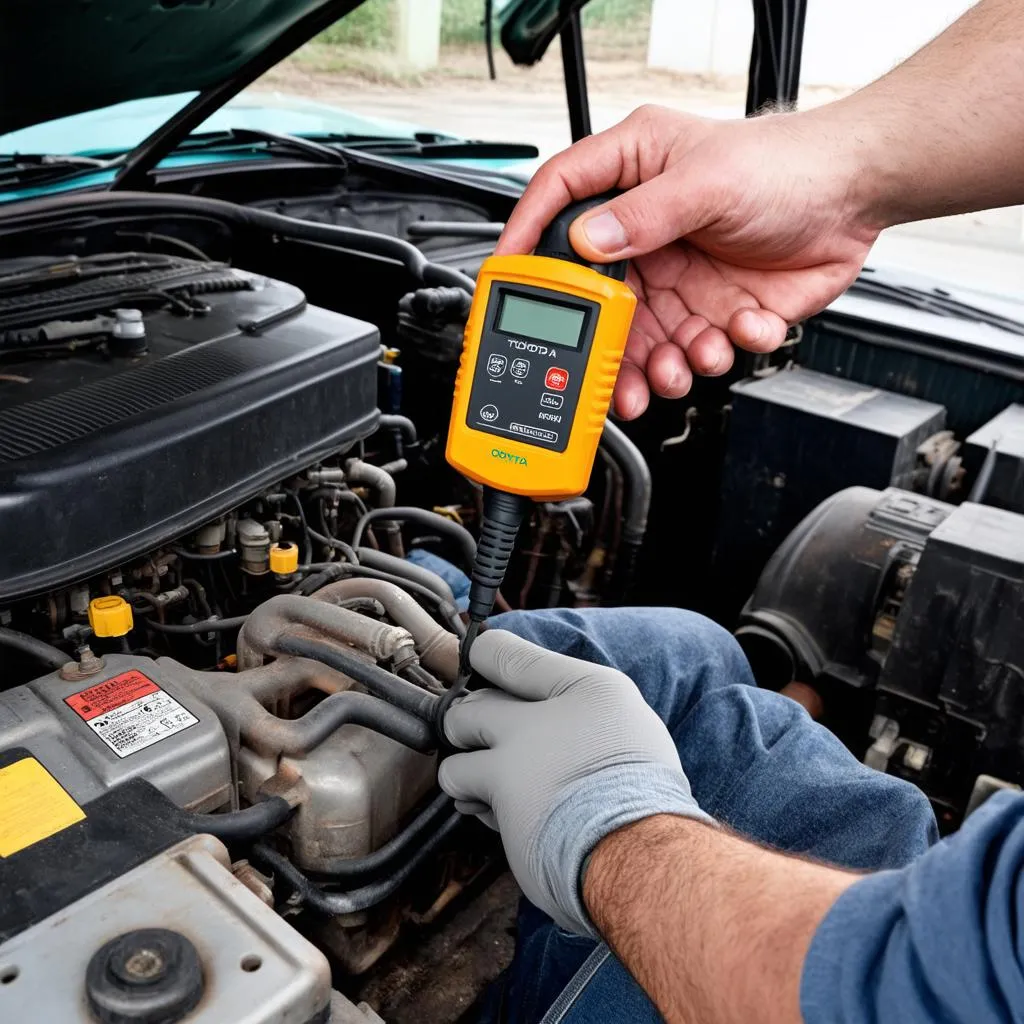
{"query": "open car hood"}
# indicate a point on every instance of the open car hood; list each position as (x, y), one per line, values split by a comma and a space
(64, 57)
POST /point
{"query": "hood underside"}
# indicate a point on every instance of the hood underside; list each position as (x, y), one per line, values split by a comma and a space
(62, 57)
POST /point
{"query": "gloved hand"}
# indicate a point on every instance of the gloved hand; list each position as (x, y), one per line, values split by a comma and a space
(564, 753)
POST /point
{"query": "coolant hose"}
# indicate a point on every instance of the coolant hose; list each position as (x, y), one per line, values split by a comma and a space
(636, 505)
(423, 517)
(359, 472)
(292, 612)
(330, 571)
(387, 689)
(355, 900)
(242, 826)
(204, 626)
(360, 869)
(404, 426)
(296, 737)
(436, 646)
(408, 570)
(49, 655)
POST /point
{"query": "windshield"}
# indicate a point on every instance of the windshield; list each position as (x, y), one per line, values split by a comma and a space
(123, 126)
(375, 76)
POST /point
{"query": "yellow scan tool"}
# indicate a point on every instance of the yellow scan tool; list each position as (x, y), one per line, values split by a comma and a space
(542, 349)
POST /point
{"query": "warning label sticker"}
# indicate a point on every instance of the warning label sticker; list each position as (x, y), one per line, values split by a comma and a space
(33, 806)
(130, 712)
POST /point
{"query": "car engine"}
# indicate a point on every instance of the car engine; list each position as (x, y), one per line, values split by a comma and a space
(223, 635)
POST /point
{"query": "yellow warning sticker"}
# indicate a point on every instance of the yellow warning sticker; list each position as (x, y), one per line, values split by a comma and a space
(33, 806)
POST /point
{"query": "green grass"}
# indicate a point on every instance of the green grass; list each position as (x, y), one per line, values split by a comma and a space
(371, 26)
(462, 22)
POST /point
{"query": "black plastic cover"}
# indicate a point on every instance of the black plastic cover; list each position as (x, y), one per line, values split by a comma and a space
(813, 612)
(958, 643)
(796, 438)
(1005, 487)
(104, 459)
(122, 829)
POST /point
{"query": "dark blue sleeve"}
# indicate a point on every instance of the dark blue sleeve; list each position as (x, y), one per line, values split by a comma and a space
(940, 940)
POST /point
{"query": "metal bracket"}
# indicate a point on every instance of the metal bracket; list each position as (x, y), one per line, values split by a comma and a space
(575, 72)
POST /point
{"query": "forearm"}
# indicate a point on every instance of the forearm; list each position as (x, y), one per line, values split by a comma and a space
(713, 928)
(941, 133)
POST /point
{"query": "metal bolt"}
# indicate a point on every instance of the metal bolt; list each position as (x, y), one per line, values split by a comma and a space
(145, 964)
(87, 661)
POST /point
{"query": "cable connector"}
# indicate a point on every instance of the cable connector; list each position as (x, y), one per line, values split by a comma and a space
(503, 515)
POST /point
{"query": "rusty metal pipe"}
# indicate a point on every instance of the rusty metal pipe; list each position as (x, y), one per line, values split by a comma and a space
(284, 612)
(238, 701)
(438, 649)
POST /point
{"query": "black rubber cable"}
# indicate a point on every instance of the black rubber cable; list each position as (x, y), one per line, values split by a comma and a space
(246, 825)
(362, 241)
(421, 677)
(307, 541)
(373, 559)
(490, 230)
(199, 556)
(52, 657)
(637, 503)
(207, 626)
(355, 900)
(424, 517)
(332, 542)
(362, 869)
(296, 737)
(379, 682)
(446, 613)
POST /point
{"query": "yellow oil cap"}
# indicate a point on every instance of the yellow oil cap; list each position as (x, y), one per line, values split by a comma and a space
(284, 559)
(110, 616)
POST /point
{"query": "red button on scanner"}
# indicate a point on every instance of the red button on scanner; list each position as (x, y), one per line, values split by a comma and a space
(556, 379)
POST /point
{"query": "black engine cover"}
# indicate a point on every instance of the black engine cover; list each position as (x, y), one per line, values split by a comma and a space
(103, 458)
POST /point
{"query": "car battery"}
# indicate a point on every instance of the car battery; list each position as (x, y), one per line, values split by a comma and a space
(131, 720)
(1004, 433)
(112, 913)
(796, 438)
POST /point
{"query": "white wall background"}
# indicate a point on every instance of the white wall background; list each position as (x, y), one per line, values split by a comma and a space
(846, 42)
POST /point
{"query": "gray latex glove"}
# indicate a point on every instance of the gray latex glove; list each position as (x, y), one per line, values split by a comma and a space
(564, 753)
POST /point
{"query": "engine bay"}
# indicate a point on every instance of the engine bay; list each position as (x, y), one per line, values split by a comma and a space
(235, 570)
(243, 621)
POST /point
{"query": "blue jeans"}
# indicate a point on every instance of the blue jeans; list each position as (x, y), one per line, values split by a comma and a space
(756, 762)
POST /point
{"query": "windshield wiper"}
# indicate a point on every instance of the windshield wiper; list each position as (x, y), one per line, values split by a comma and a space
(932, 300)
(427, 144)
(262, 141)
(34, 168)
